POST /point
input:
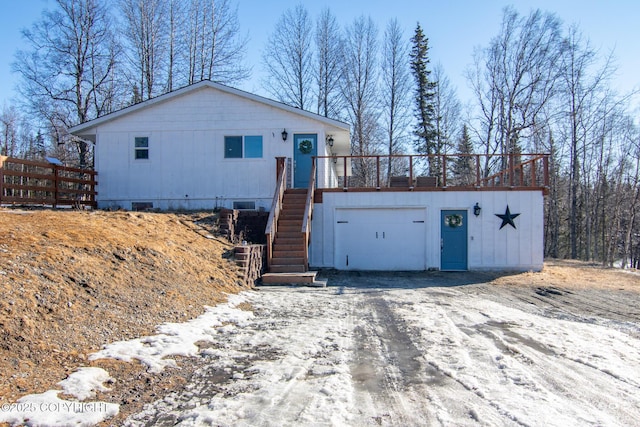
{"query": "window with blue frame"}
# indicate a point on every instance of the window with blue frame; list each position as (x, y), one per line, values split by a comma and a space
(239, 147)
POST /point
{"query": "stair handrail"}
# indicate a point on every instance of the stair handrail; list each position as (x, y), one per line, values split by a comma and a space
(274, 214)
(308, 212)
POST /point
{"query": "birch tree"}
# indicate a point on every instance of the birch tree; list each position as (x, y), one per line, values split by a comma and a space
(514, 78)
(288, 59)
(328, 64)
(359, 89)
(213, 45)
(395, 90)
(146, 25)
(447, 117)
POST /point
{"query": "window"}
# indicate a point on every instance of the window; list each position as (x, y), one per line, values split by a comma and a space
(141, 206)
(247, 147)
(244, 205)
(141, 148)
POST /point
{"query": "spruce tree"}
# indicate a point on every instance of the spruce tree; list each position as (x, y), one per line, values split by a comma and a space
(424, 131)
(464, 166)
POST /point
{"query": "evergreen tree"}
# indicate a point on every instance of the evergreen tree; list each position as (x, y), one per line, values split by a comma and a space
(464, 166)
(425, 91)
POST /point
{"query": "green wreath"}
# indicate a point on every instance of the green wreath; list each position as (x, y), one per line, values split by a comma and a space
(453, 221)
(305, 146)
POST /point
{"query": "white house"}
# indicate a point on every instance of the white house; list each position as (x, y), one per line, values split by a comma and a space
(208, 145)
(204, 146)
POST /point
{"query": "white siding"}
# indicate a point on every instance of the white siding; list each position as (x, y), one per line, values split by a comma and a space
(489, 247)
(186, 167)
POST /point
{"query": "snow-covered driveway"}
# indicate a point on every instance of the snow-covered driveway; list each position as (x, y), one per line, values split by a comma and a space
(389, 350)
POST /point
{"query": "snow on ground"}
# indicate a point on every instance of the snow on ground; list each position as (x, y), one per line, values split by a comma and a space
(47, 409)
(392, 350)
(374, 354)
(175, 339)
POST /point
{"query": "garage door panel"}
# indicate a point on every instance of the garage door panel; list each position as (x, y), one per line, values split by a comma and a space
(380, 239)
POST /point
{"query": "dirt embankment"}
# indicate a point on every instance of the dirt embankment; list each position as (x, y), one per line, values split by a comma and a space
(72, 281)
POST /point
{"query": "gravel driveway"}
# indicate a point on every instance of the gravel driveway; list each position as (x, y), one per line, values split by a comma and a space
(417, 349)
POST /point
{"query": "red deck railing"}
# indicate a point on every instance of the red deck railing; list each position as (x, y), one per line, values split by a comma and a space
(446, 171)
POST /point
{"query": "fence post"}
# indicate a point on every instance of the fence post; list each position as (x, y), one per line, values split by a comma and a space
(2, 159)
(279, 166)
(55, 186)
(444, 171)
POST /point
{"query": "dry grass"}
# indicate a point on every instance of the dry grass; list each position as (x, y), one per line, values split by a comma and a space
(576, 275)
(72, 281)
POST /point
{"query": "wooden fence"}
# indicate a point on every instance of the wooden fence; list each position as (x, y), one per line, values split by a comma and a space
(27, 182)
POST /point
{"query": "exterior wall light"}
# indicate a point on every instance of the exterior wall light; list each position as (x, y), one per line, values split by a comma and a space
(284, 134)
(330, 140)
(476, 209)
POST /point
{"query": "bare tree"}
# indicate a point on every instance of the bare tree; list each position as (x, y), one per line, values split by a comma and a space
(67, 70)
(583, 98)
(360, 92)
(288, 59)
(447, 116)
(329, 64)
(176, 22)
(395, 90)
(9, 118)
(515, 77)
(147, 36)
(214, 46)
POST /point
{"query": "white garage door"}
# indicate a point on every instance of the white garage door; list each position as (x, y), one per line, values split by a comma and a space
(380, 239)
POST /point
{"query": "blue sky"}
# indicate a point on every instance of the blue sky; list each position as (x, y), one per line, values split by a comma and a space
(454, 28)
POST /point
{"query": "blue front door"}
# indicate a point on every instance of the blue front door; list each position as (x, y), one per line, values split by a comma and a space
(453, 232)
(304, 148)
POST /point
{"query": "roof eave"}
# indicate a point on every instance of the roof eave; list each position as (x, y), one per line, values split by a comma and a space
(90, 126)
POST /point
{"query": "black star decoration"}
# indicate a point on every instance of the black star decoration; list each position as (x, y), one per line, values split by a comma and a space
(507, 218)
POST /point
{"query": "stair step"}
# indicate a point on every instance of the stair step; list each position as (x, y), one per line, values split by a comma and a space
(289, 228)
(291, 215)
(287, 260)
(287, 269)
(297, 222)
(281, 247)
(307, 277)
(278, 253)
(289, 234)
(293, 208)
(297, 244)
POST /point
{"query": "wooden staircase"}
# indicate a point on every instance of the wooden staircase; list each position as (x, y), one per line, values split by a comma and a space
(288, 248)
(288, 261)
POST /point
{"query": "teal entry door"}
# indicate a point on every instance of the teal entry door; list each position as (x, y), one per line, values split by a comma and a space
(304, 148)
(453, 246)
